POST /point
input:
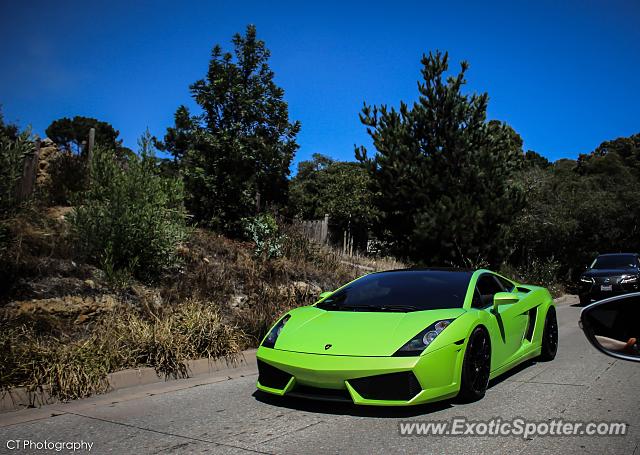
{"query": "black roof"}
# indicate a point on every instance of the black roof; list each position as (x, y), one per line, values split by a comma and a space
(432, 269)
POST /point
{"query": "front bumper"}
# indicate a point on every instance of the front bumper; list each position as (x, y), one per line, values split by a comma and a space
(382, 381)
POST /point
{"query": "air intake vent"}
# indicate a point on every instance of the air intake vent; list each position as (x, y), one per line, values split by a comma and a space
(320, 393)
(533, 312)
(270, 376)
(393, 386)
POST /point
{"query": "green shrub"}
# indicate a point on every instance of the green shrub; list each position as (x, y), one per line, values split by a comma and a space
(130, 218)
(264, 231)
(12, 155)
(68, 176)
(540, 272)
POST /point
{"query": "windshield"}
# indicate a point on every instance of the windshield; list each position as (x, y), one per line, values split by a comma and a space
(618, 261)
(403, 290)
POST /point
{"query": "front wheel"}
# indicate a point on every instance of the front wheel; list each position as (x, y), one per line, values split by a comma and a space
(476, 366)
(549, 336)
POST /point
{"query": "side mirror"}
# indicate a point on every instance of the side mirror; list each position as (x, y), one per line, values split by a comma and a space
(504, 298)
(612, 326)
(324, 295)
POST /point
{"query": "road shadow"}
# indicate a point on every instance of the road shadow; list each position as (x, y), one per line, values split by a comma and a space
(512, 372)
(345, 408)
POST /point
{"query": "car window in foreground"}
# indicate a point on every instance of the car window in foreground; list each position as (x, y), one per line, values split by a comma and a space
(402, 290)
(619, 261)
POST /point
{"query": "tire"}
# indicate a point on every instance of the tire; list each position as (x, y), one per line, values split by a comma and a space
(549, 336)
(476, 367)
(584, 300)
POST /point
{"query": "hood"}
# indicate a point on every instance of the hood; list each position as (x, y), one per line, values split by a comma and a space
(351, 333)
(610, 272)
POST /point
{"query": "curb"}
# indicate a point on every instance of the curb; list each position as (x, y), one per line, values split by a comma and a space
(20, 398)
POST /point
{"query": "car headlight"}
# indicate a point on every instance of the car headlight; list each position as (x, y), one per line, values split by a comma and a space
(586, 279)
(419, 343)
(629, 279)
(270, 340)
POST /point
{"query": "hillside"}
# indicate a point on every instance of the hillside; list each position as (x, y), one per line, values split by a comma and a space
(67, 323)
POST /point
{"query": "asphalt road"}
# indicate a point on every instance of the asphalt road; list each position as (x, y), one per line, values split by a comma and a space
(226, 416)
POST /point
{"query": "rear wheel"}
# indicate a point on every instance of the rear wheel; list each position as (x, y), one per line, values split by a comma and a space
(549, 336)
(475, 366)
(584, 300)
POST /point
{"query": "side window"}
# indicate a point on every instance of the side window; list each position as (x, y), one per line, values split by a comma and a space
(488, 286)
(477, 299)
(506, 284)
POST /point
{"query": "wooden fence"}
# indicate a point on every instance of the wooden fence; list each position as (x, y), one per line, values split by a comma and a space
(324, 233)
(27, 183)
(317, 230)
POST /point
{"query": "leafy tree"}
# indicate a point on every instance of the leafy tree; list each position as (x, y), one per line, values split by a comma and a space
(71, 133)
(577, 209)
(626, 148)
(534, 159)
(441, 173)
(239, 147)
(340, 189)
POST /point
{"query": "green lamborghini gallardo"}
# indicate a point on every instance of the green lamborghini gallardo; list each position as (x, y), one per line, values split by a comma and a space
(407, 337)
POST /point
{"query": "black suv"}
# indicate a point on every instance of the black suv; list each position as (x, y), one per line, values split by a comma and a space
(609, 275)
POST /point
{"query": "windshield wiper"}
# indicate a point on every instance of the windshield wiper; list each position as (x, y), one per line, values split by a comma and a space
(336, 305)
(384, 308)
(399, 308)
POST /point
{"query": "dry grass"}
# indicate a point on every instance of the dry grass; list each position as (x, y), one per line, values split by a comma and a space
(219, 269)
(29, 241)
(78, 368)
(70, 369)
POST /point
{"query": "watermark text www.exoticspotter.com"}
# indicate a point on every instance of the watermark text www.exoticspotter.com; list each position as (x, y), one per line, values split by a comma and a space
(46, 445)
(461, 426)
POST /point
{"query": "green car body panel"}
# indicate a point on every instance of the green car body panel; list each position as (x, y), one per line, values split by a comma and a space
(327, 350)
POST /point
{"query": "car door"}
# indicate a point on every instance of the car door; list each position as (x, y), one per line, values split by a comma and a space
(511, 319)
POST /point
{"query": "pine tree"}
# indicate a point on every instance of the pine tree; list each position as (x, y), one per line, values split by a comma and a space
(442, 172)
(71, 133)
(239, 148)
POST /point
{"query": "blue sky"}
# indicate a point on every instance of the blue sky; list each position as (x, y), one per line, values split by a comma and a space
(564, 74)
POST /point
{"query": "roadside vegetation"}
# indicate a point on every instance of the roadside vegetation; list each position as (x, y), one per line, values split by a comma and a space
(191, 247)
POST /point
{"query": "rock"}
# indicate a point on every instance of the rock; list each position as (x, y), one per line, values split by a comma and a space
(238, 300)
(297, 289)
(149, 298)
(48, 153)
(69, 307)
(49, 287)
(304, 288)
(183, 250)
